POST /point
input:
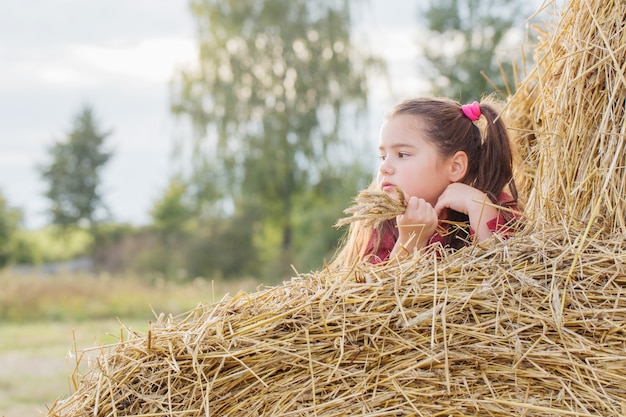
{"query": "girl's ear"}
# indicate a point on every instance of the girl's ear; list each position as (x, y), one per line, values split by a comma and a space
(457, 167)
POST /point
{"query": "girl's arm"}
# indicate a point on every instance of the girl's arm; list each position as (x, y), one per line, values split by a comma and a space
(472, 202)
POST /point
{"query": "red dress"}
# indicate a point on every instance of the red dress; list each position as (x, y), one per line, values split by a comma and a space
(500, 224)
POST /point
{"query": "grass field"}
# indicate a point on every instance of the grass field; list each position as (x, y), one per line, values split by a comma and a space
(35, 360)
(42, 320)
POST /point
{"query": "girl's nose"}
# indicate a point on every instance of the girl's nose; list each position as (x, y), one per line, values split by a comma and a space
(385, 168)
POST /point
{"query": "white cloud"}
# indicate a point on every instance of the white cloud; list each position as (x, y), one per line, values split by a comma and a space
(150, 60)
(65, 76)
(13, 159)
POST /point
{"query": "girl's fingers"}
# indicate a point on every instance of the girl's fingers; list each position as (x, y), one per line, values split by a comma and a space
(419, 211)
(443, 202)
(441, 205)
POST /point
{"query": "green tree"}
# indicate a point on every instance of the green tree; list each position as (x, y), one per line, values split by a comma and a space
(10, 220)
(268, 101)
(172, 217)
(73, 174)
(171, 213)
(318, 238)
(466, 50)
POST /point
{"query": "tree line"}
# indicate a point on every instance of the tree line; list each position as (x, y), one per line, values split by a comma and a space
(276, 102)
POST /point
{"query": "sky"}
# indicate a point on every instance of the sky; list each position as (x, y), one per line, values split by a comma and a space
(118, 56)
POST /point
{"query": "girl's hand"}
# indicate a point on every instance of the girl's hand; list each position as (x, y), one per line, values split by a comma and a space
(460, 197)
(472, 202)
(415, 226)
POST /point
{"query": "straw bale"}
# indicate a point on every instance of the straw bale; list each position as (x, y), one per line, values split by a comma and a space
(569, 113)
(534, 325)
(494, 332)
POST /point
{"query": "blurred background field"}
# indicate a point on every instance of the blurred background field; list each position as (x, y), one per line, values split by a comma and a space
(43, 318)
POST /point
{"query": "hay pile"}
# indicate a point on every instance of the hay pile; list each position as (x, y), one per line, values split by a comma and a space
(533, 326)
(485, 337)
(570, 111)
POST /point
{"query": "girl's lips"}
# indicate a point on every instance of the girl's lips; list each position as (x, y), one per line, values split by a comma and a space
(387, 187)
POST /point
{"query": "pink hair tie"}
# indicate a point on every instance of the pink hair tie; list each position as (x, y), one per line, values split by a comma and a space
(472, 111)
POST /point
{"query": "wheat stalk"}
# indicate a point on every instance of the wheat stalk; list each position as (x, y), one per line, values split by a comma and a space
(374, 206)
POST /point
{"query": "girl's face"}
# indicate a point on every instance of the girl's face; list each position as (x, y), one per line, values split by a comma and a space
(410, 161)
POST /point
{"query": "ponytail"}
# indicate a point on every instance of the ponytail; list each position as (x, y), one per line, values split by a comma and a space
(495, 165)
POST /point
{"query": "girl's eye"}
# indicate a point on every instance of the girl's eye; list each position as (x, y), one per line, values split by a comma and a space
(402, 155)
(382, 157)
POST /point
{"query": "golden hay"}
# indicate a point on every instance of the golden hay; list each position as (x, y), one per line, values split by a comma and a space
(373, 206)
(534, 325)
(570, 115)
(479, 334)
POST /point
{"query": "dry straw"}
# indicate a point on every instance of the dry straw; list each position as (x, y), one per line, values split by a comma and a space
(372, 206)
(477, 334)
(531, 326)
(570, 113)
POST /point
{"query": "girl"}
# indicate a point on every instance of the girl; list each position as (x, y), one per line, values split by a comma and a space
(457, 179)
